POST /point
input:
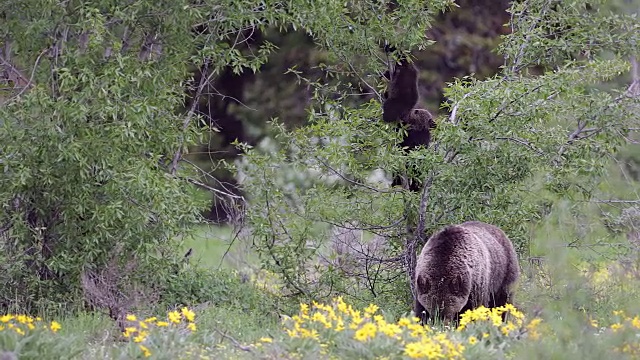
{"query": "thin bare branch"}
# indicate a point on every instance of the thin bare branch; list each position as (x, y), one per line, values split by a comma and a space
(13, 69)
(454, 111)
(187, 120)
(234, 341)
(506, 104)
(353, 182)
(210, 188)
(615, 201)
(522, 142)
(15, 74)
(517, 61)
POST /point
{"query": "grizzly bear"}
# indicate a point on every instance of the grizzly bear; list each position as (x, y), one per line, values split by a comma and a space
(463, 267)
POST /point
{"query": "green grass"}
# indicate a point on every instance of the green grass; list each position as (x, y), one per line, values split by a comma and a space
(219, 247)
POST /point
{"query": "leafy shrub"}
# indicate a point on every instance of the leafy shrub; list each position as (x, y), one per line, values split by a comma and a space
(194, 285)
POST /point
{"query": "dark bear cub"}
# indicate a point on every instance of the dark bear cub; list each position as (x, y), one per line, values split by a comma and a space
(402, 92)
(399, 101)
(463, 267)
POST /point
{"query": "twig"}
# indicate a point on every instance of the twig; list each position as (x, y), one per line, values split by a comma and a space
(570, 139)
(504, 105)
(353, 182)
(210, 188)
(234, 341)
(615, 201)
(522, 142)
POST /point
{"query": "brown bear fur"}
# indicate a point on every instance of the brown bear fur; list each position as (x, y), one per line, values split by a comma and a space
(463, 267)
(420, 123)
(402, 92)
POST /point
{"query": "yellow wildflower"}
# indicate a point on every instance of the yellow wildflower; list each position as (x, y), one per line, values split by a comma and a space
(266, 339)
(473, 340)
(319, 317)
(356, 320)
(151, 319)
(23, 319)
(342, 306)
(162, 324)
(366, 332)
(417, 330)
(635, 322)
(534, 323)
(131, 317)
(404, 322)
(304, 309)
(413, 350)
(191, 326)
(6, 318)
(19, 331)
(145, 351)
(507, 328)
(616, 327)
(174, 317)
(143, 325)
(188, 314)
(371, 309)
(496, 318)
(391, 330)
(55, 326)
(331, 314)
(304, 333)
(141, 336)
(129, 331)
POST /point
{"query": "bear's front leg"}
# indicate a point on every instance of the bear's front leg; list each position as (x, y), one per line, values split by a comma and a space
(420, 312)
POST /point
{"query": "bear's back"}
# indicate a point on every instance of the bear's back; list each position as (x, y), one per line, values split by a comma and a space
(451, 245)
(504, 261)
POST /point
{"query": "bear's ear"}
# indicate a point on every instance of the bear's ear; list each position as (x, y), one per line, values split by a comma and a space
(423, 283)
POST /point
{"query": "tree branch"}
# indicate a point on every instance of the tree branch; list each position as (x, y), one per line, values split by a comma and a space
(187, 120)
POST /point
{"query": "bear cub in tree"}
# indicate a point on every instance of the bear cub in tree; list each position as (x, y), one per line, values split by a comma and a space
(399, 101)
(463, 267)
(398, 106)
